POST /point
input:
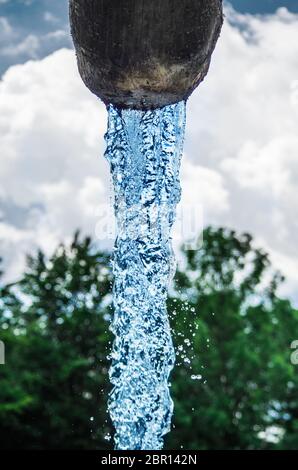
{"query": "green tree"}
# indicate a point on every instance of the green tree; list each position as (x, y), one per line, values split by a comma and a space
(230, 327)
(54, 386)
(241, 348)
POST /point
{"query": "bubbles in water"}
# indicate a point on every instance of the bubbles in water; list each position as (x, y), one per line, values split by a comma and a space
(144, 150)
(196, 377)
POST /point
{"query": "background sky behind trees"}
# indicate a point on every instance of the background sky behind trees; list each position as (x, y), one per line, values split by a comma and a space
(240, 160)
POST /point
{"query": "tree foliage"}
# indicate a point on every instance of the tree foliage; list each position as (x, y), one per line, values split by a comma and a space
(234, 382)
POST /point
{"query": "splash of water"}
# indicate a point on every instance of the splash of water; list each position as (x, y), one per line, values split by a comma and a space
(144, 150)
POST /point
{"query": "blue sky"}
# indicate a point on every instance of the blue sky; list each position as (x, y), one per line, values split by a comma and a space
(264, 6)
(240, 163)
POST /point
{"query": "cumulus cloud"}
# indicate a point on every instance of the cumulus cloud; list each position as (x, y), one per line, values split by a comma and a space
(240, 155)
(52, 168)
(28, 46)
(242, 124)
(210, 190)
(44, 29)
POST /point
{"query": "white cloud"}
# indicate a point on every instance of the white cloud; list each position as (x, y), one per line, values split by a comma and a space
(50, 17)
(204, 187)
(6, 30)
(19, 43)
(240, 154)
(51, 131)
(242, 124)
(32, 46)
(29, 46)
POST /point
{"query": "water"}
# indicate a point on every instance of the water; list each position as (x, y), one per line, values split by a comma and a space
(144, 150)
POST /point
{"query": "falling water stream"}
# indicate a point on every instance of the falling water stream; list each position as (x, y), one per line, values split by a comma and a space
(144, 151)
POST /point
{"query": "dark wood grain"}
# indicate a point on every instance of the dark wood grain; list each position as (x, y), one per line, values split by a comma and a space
(144, 53)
